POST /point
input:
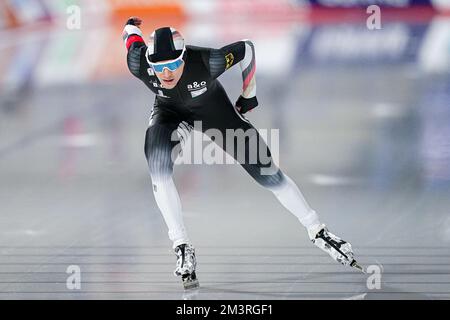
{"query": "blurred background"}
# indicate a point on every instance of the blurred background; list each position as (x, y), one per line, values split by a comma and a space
(364, 120)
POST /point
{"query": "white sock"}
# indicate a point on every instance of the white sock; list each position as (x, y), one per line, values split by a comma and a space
(168, 200)
(292, 199)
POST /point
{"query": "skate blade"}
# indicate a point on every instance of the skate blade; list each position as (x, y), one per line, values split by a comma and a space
(191, 284)
(355, 265)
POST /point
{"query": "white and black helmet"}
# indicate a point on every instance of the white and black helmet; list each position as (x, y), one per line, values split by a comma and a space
(164, 44)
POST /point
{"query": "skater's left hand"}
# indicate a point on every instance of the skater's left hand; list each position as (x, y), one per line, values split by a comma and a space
(134, 21)
(244, 105)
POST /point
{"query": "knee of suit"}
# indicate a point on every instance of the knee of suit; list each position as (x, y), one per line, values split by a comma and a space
(160, 167)
(268, 178)
(158, 152)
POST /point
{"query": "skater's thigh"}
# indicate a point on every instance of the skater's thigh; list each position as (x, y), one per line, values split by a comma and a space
(161, 143)
(252, 153)
(222, 121)
(240, 139)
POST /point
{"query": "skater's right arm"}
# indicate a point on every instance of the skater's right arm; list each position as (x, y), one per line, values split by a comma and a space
(132, 36)
(241, 52)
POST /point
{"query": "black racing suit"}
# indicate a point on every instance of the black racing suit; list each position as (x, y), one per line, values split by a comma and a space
(198, 96)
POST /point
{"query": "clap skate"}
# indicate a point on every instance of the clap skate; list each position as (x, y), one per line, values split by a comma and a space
(186, 264)
(338, 249)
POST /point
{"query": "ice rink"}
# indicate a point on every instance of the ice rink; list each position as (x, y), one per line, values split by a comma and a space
(365, 135)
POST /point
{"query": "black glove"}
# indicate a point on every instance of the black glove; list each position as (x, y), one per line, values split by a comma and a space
(244, 105)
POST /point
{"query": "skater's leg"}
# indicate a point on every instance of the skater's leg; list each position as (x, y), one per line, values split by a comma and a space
(268, 175)
(292, 199)
(249, 149)
(286, 191)
(158, 151)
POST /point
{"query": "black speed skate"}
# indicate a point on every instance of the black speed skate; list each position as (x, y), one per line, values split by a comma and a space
(186, 264)
(190, 281)
(340, 250)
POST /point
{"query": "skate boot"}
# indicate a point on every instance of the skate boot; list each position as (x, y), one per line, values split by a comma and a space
(186, 264)
(338, 249)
